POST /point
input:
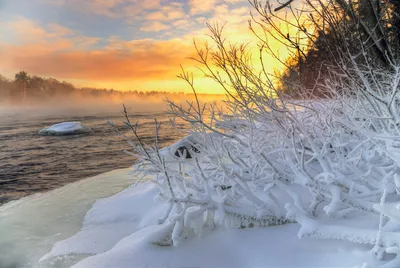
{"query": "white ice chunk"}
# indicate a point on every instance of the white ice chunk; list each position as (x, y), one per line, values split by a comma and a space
(66, 128)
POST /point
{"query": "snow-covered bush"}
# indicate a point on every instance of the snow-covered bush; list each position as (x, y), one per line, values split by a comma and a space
(265, 159)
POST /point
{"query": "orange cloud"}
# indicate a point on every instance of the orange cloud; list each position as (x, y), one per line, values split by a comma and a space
(154, 26)
(201, 6)
(53, 50)
(146, 60)
(157, 15)
(25, 31)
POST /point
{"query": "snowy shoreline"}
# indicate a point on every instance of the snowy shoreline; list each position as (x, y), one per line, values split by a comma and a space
(121, 231)
(120, 228)
(108, 221)
(31, 225)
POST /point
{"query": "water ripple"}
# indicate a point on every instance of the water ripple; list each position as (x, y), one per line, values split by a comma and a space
(30, 163)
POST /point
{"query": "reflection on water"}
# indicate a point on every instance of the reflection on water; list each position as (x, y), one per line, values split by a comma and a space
(30, 163)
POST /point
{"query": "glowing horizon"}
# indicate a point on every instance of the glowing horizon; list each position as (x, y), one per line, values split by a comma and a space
(119, 44)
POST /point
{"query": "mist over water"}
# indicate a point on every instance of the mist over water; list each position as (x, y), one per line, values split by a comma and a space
(78, 105)
(30, 163)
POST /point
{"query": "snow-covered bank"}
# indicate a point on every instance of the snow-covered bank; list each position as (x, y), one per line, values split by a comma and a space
(110, 220)
(120, 231)
(65, 128)
(30, 226)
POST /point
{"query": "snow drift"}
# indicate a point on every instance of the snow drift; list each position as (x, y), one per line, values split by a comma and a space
(122, 231)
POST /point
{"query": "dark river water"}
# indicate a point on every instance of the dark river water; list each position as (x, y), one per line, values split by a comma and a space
(30, 163)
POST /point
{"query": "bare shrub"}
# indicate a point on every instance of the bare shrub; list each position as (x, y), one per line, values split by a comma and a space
(269, 159)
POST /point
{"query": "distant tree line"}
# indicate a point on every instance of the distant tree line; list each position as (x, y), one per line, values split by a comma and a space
(26, 88)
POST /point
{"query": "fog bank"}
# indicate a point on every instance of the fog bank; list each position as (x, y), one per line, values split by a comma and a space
(104, 104)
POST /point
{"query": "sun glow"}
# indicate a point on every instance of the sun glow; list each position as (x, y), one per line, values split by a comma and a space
(147, 56)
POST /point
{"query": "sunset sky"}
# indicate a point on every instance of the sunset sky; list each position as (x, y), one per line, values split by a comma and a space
(120, 44)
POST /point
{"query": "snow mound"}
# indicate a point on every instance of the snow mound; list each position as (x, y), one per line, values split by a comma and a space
(123, 231)
(66, 128)
(257, 247)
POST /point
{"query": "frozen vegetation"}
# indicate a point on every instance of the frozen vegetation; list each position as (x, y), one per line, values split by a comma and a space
(65, 128)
